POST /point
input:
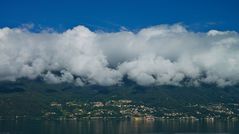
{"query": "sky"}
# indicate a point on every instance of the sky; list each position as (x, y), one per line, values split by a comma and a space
(180, 43)
(113, 15)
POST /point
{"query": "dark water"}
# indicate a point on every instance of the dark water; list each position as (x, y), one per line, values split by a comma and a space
(117, 127)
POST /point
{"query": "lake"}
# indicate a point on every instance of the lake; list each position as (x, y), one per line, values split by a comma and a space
(114, 126)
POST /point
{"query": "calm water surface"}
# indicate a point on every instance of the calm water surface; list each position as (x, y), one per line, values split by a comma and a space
(116, 127)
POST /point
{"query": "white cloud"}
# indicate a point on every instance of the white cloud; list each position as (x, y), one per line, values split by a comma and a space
(159, 55)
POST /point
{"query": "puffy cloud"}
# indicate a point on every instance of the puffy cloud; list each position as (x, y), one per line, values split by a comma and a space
(159, 55)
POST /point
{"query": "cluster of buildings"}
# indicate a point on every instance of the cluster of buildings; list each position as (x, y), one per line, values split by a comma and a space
(98, 109)
(127, 109)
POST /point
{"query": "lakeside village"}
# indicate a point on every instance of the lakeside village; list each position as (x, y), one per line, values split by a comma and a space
(127, 109)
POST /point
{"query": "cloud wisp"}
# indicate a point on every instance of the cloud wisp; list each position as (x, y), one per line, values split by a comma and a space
(159, 55)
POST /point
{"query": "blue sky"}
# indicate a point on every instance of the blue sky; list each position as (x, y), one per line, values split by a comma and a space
(111, 15)
(163, 55)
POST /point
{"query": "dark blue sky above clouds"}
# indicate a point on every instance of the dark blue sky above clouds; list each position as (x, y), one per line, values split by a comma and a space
(111, 15)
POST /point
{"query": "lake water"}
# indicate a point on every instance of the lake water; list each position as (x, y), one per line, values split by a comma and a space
(114, 126)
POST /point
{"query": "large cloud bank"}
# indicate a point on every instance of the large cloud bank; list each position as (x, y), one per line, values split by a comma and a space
(159, 55)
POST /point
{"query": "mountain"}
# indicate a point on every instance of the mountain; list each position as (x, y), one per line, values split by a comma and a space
(32, 97)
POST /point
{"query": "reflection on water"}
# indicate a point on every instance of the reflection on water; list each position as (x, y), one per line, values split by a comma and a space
(114, 126)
